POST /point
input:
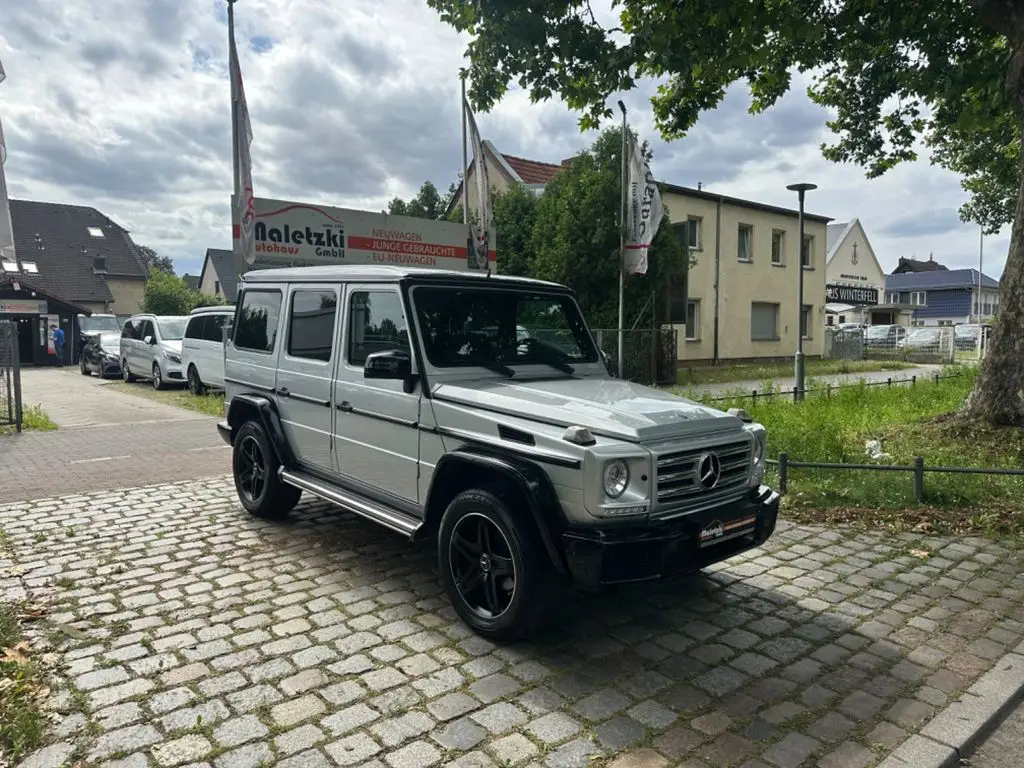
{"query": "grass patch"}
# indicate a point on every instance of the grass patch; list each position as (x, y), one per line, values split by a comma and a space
(726, 373)
(908, 422)
(32, 417)
(211, 404)
(22, 723)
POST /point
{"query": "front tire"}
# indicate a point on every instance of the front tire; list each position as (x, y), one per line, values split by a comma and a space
(126, 372)
(492, 566)
(158, 380)
(254, 465)
(81, 366)
(195, 384)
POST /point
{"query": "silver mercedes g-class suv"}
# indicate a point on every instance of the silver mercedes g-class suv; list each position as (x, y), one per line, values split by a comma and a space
(478, 409)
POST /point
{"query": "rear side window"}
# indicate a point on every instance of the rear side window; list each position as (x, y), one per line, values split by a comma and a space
(147, 329)
(258, 318)
(195, 327)
(311, 324)
(213, 328)
(128, 332)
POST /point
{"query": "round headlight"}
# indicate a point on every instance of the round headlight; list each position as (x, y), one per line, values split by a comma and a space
(616, 478)
(758, 451)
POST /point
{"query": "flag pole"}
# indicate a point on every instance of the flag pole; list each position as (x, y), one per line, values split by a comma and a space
(622, 245)
(465, 158)
(237, 201)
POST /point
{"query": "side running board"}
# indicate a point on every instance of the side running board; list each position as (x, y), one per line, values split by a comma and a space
(389, 518)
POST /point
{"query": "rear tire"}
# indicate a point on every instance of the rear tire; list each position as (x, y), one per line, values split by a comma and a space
(254, 466)
(493, 566)
(195, 384)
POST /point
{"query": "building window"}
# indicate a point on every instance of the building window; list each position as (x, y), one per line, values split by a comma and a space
(805, 321)
(917, 298)
(807, 257)
(764, 321)
(745, 243)
(216, 286)
(778, 247)
(988, 308)
(692, 320)
(693, 233)
(892, 298)
(831, 320)
(95, 231)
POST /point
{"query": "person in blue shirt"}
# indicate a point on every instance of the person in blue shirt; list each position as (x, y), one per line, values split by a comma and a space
(58, 343)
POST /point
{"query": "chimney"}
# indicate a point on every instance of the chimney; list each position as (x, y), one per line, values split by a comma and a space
(99, 265)
(700, 185)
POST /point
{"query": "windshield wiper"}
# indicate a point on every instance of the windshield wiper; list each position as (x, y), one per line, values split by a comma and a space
(549, 356)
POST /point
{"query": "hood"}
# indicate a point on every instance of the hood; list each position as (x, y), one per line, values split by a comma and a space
(172, 345)
(609, 407)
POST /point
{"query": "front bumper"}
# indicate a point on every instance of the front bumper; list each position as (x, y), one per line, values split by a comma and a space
(656, 549)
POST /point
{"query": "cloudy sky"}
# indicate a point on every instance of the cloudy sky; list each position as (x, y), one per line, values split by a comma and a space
(124, 105)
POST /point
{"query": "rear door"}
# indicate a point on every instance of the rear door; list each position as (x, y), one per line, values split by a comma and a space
(304, 372)
(192, 343)
(251, 364)
(212, 349)
(145, 352)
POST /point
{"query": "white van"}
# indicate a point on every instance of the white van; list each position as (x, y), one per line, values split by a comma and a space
(202, 350)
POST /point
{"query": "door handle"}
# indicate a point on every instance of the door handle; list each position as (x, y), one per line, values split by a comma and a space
(345, 405)
(284, 392)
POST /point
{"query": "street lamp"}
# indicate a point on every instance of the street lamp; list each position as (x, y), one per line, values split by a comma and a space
(800, 189)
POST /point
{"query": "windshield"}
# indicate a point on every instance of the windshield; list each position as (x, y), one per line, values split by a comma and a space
(110, 340)
(494, 327)
(878, 331)
(171, 328)
(921, 334)
(96, 323)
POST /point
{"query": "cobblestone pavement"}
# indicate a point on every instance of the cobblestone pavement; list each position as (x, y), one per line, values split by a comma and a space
(194, 634)
(1005, 746)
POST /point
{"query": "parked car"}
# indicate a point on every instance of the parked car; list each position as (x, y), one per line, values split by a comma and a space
(101, 355)
(922, 340)
(883, 337)
(202, 348)
(151, 349)
(90, 325)
(968, 335)
(525, 462)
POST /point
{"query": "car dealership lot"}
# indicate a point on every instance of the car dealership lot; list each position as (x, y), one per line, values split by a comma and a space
(194, 633)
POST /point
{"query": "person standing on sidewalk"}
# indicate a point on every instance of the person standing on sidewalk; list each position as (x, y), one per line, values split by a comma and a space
(58, 344)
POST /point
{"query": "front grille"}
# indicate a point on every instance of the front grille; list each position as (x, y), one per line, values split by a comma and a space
(678, 488)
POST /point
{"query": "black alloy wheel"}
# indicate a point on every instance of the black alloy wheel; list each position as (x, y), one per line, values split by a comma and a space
(483, 569)
(251, 469)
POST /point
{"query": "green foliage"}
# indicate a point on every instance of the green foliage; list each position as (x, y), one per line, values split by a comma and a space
(515, 214)
(427, 204)
(22, 723)
(167, 294)
(891, 73)
(576, 237)
(151, 259)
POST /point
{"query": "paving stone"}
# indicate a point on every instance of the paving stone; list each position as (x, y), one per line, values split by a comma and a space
(553, 728)
(397, 730)
(602, 704)
(461, 734)
(52, 756)
(848, 755)
(249, 756)
(298, 739)
(311, 758)
(239, 730)
(349, 719)
(187, 749)
(452, 705)
(124, 740)
(639, 758)
(513, 749)
(353, 750)
(419, 754)
(619, 733)
(500, 718)
(791, 751)
(831, 727)
(291, 712)
(578, 753)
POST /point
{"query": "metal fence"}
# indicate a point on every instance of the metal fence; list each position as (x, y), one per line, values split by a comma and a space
(918, 468)
(650, 354)
(932, 344)
(828, 389)
(10, 376)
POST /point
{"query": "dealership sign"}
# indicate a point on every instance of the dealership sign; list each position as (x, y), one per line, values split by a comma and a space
(23, 307)
(847, 294)
(292, 234)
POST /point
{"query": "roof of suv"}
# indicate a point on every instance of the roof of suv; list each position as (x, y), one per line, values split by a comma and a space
(381, 273)
(222, 308)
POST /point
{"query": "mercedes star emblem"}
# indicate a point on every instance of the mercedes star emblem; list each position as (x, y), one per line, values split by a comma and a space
(709, 471)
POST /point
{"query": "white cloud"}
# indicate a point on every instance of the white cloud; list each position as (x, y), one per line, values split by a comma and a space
(124, 106)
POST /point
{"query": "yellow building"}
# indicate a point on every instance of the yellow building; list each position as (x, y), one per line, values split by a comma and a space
(740, 297)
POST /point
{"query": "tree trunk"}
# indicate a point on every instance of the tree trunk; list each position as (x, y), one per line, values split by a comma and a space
(998, 396)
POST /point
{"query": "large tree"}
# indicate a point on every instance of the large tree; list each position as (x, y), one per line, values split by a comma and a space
(948, 71)
(151, 258)
(427, 204)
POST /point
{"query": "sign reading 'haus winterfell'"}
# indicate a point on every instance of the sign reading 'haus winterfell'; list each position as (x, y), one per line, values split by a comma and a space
(289, 233)
(848, 294)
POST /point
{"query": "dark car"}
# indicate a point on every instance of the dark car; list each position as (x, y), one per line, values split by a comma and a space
(90, 325)
(101, 354)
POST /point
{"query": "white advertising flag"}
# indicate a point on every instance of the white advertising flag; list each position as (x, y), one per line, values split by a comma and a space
(482, 229)
(243, 162)
(644, 210)
(6, 229)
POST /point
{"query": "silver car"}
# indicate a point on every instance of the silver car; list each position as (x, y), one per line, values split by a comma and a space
(478, 411)
(151, 349)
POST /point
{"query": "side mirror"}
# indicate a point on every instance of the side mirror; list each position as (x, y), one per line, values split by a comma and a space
(150, 340)
(390, 364)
